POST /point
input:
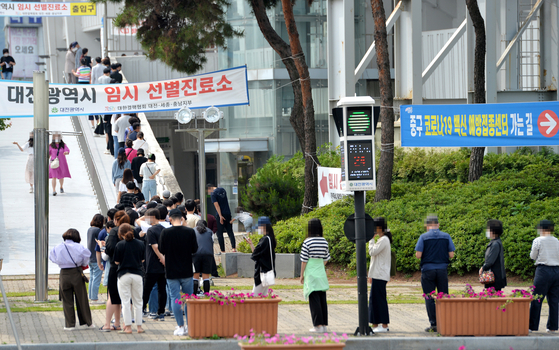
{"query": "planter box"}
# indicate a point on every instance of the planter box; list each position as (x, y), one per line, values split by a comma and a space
(207, 318)
(229, 263)
(480, 317)
(287, 265)
(339, 346)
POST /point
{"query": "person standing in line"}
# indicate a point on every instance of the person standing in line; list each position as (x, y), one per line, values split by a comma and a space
(221, 204)
(71, 256)
(148, 172)
(133, 120)
(128, 199)
(314, 255)
(545, 253)
(104, 78)
(191, 218)
(379, 275)
(129, 256)
(29, 166)
(141, 143)
(245, 218)
(85, 57)
(495, 255)
(115, 73)
(109, 224)
(120, 127)
(83, 73)
(95, 272)
(264, 257)
(137, 164)
(127, 176)
(70, 63)
(114, 119)
(435, 249)
(120, 164)
(79, 53)
(97, 71)
(155, 271)
(204, 255)
(108, 134)
(133, 135)
(113, 296)
(178, 244)
(130, 152)
(7, 63)
(58, 149)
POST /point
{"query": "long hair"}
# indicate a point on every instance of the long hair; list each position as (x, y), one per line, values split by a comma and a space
(270, 233)
(127, 176)
(60, 144)
(381, 222)
(121, 218)
(30, 141)
(125, 232)
(122, 159)
(314, 228)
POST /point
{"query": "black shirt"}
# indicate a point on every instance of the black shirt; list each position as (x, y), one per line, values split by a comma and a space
(153, 265)
(178, 243)
(116, 76)
(135, 167)
(130, 256)
(128, 199)
(7, 59)
(112, 240)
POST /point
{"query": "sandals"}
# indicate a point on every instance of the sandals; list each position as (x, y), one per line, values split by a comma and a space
(124, 332)
(141, 331)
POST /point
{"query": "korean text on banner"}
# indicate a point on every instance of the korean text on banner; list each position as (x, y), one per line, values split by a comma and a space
(329, 186)
(47, 9)
(480, 125)
(222, 88)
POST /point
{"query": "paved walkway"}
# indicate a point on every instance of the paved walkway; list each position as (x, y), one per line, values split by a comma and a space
(407, 320)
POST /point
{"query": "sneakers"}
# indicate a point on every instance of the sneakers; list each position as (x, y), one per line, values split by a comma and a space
(31, 190)
(152, 315)
(69, 328)
(431, 329)
(380, 329)
(92, 326)
(317, 329)
(159, 317)
(550, 331)
(54, 193)
(167, 313)
(61, 190)
(181, 331)
(107, 152)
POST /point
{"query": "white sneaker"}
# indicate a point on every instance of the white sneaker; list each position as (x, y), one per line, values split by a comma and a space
(380, 329)
(178, 330)
(550, 331)
(184, 330)
(69, 328)
(107, 152)
(89, 327)
(316, 329)
(31, 190)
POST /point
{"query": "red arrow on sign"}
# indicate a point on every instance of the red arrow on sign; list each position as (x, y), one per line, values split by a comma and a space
(547, 123)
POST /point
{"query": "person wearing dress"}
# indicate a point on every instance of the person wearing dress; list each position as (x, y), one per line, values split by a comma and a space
(379, 275)
(58, 149)
(264, 257)
(314, 255)
(495, 255)
(70, 256)
(28, 148)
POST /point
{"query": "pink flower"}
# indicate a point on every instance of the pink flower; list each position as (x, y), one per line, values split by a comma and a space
(463, 347)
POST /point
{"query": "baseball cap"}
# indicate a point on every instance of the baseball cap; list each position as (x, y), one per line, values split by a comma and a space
(431, 219)
(140, 151)
(121, 150)
(166, 194)
(174, 213)
(264, 220)
(74, 44)
(545, 225)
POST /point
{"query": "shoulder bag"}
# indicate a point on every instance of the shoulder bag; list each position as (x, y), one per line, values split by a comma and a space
(269, 278)
(84, 277)
(55, 163)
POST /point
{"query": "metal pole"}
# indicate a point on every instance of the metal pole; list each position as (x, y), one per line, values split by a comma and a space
(41, 156)
(361, 257)
(105, 32)
(202, 172)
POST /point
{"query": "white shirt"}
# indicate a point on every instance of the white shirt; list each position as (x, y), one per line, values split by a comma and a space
(113, 124)
(148, 169)
(28, 149)
(104, 79)
(121, 124)
(96, 72)
(122, 186)
(545, 251)
(141, 144)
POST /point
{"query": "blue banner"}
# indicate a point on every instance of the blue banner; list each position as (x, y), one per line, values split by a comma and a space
(480, 125)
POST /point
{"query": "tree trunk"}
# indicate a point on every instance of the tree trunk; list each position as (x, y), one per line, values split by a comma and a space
(476, 158)
(284, 51)
(386, 163)
(311, 160)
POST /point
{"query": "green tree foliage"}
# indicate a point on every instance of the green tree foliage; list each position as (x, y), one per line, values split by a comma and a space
(4, 124)
(178, 31)
(518, 189)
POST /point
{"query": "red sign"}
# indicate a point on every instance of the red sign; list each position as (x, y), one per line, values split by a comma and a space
(547, 123)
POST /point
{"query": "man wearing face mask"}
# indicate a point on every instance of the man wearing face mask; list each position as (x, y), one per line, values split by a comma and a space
(435, 249)
(7, 62)
(70, 63)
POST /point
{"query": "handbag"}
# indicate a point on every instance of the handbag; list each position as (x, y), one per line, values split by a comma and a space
(84, 277)
(55, 163)
(486, 277)
(269, 278)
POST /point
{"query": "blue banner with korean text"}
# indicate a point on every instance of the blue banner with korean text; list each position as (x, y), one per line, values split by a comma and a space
(480, 125)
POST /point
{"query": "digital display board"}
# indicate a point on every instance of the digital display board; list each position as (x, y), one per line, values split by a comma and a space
(360, 160)
(359, 121)
(343, 160)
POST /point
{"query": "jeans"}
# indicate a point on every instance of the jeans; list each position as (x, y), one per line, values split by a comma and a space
(8, 75)
(115, 145)
(176, 286)
(431, 280)
(149, 189)
(95, 280)
(168, 304)
(152, 303)
(107, 267)
(546, 281)
(248, 225)
(220, 228)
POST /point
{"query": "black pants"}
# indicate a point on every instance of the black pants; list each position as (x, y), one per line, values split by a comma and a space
(546, 281)
(150, 280)
(226, 226)
(110, 143)
(319, 308)
(378, 304)
(73, 287)
(431, 280)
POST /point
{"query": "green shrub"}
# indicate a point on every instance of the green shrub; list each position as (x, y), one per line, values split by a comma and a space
(244, 247)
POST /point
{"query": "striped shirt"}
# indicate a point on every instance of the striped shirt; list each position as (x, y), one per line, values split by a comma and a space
(85, 74)
(545, 251)
(315, 248)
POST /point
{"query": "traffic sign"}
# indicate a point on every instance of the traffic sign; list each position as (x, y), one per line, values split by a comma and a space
(349, 228)
(547, 123)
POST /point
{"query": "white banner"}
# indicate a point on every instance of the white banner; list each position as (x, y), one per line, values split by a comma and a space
(23, 48)
(222, 88)
(47, 9)
(329, 186)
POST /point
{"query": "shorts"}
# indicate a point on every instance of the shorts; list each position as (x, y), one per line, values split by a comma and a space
(112, 288)
(108, 128)
(203, 263)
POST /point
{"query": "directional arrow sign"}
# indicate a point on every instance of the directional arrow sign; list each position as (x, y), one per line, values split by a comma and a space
(547, 123)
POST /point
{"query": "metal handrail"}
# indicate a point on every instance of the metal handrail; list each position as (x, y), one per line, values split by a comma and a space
(8, 308)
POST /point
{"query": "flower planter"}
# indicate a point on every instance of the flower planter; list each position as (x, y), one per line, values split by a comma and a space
(297, 346)
(480, 317)
(207, 318)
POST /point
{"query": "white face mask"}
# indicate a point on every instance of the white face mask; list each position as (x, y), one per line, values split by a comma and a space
(74, 49)
(261, 231)
(488, 234)
(6, 55)
(57, 140)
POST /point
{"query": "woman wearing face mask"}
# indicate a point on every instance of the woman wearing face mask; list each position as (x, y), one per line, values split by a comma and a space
(70, 63)
(264, 257)
(58, 149)
(29, 167)
(495, 255)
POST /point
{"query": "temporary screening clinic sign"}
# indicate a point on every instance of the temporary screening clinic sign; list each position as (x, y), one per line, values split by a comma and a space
(47, 9)
(222, 88)
(484, 125)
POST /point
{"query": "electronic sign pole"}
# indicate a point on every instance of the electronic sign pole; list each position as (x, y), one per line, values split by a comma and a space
(358, 175)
